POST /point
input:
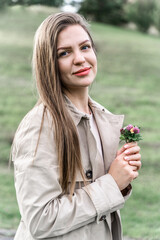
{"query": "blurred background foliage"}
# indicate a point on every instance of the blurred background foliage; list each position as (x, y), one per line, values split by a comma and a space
(54, 3)
(106, 11)
(143, 13)
(128, 82)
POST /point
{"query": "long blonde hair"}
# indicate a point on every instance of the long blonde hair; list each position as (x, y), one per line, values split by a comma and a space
(50, 89)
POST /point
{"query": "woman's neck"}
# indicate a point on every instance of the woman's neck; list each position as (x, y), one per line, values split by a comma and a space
(79, 99)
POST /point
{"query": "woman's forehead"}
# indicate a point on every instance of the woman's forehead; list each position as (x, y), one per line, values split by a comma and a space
(72, 34)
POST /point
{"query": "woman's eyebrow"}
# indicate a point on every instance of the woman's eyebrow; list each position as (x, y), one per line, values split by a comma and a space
(68, 47)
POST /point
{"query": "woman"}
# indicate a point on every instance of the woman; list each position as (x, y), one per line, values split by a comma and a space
(69, 180)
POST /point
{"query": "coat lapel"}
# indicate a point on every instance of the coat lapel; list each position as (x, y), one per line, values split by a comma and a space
(95, 158)
(109, 126)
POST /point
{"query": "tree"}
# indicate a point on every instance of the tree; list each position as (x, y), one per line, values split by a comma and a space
(4, 3)
(55, 3)
(107, 11)
(141, 12)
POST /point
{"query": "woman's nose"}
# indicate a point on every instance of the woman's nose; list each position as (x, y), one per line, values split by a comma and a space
(78, 58)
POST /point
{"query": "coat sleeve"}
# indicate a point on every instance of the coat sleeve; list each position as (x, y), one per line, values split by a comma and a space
(45, 211)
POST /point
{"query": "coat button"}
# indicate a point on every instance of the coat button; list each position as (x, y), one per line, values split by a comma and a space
(102, 218)
(89, 174)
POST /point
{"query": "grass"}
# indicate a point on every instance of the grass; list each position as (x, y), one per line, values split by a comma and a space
(9, 214)
(127, 83)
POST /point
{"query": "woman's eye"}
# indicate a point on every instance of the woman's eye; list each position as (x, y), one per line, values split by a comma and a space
(85, 47)
(62, 54)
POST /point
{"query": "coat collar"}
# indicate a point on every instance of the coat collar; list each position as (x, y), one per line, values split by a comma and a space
(75, 113)
(96, 108)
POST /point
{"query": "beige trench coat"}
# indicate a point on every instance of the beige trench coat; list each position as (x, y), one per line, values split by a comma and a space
(46, 214)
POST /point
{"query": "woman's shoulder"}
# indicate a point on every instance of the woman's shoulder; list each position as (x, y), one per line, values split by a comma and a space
(34, 130)
(34, 118)
(35, 112)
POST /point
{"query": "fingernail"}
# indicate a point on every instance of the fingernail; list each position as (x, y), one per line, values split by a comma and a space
(126, 151)
(131, 162)
(126, 158)
(126, 146)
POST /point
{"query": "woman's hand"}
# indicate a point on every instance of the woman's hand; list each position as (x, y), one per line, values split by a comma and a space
(124, 168)
(132, 154)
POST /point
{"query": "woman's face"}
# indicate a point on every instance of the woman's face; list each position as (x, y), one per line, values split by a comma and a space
(76, 58)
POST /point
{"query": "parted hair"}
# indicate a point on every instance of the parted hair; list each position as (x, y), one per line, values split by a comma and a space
(50, 90)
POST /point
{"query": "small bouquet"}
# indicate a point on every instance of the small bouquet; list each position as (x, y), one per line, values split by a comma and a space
(130, 133)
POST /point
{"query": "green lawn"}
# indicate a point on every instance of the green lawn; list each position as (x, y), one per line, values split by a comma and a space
(127, 83)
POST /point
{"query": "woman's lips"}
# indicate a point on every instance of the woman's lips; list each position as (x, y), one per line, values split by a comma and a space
(82, 72)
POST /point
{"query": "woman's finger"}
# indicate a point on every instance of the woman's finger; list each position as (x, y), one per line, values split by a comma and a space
(132, 150)
(121, 150)
(133, 157)
(125, 147)
(134, 168)
(137, 164)
(129, 145)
